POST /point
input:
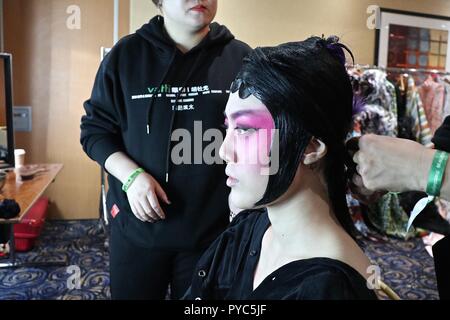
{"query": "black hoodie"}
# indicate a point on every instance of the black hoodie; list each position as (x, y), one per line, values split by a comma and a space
(132, 109)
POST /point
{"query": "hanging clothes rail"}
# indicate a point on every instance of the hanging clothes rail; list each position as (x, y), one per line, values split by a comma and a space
(395, 69)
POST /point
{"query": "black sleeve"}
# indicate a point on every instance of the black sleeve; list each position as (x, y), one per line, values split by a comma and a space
(441, 138)
(329, 285)
(100, 126)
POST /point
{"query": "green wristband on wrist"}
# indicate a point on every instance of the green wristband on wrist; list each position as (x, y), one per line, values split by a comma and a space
(437, 173)
(434, 185)
(131, 179)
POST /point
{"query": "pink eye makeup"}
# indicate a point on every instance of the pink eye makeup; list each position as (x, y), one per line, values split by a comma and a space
(251, 120)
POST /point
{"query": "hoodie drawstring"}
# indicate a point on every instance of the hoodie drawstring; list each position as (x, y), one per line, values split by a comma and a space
(155, 33)
(158, 91)
(172, 120)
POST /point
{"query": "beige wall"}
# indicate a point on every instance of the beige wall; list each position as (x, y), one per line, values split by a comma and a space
(54, 70)
(140, 12)
(269, 22)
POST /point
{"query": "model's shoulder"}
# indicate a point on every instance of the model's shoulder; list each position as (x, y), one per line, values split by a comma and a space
(330, 279)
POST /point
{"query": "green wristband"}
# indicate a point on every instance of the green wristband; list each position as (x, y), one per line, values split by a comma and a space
(131, 179)
(437, 173)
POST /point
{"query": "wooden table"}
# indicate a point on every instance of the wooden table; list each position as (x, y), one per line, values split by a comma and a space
(26, 193)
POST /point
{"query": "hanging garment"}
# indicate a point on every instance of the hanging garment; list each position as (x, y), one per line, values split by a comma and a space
(432, 96)
(382, 93)
(375, 119)
(377, 105)
(388, 217)
(405, 123)
(414, 109)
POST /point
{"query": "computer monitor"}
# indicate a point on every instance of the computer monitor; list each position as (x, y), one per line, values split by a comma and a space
(6, 112)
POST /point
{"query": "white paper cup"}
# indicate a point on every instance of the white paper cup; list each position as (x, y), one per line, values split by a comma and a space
(19, 157)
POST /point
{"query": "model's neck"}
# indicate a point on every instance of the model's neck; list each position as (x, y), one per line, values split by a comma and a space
(304, 226)
(300, 217)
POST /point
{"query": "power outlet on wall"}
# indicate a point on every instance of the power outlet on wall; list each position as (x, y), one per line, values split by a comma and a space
(22, 119)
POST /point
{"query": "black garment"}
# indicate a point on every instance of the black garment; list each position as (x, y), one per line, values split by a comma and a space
(144, 90)
(441, 137)
(441, 250)
(226, 270)
(441, 254)
(405, 123)
(144, 274)
(429, 219)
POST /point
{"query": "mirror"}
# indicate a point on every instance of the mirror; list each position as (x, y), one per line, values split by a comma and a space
(6, 105)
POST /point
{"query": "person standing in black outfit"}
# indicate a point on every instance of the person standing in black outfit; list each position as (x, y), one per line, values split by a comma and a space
(172, 74)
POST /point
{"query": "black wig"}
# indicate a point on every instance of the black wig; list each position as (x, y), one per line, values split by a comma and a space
(305, 87)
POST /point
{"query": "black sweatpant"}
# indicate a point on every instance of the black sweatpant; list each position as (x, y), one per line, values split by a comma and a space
(144, 274)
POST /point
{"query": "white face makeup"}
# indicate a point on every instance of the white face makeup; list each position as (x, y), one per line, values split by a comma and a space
(246, 149)
(191, 14)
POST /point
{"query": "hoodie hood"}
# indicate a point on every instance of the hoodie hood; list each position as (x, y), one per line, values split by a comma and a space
(155, 33)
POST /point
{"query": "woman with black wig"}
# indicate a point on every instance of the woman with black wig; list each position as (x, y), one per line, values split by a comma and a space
(292, 105)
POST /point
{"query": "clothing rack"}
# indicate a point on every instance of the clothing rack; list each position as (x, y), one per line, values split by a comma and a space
(396, 69)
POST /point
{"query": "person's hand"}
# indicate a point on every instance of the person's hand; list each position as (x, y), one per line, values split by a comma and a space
(361, 193)
(143, 197)
(356, 185)
(394, 164)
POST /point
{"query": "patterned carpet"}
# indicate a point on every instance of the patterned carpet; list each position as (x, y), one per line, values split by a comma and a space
(405, 265)
(82, 243)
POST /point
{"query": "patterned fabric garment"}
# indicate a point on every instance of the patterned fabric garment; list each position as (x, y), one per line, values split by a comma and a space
(388, 216)
(382, 95)
(432, 96)
(414, 109)
(375, 119)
